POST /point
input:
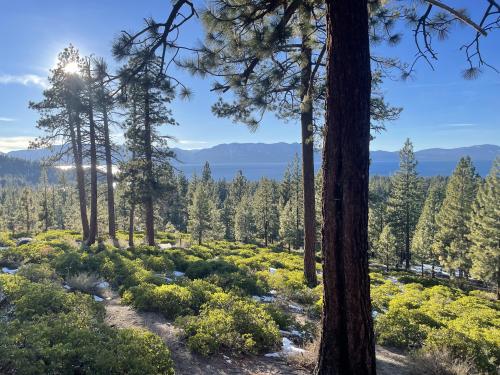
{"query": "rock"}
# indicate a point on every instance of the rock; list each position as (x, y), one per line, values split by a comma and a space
(165, 246)
(10, 271)
(272, 270)
(178, 273)
(67, 287)
(23, 240)
(98, 299)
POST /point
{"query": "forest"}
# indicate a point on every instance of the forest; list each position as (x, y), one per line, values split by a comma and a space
(128, 266)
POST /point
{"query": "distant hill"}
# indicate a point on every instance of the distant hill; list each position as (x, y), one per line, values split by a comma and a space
(270, 160)
(22, 171)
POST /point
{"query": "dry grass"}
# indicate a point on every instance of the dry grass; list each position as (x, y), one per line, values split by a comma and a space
(84, 282)
(307, 359)
(440, 363)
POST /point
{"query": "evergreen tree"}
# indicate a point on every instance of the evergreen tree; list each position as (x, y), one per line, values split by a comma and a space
(26, 209)
(200, 214)
(62, 120)
(266, 211)
(452, 237)
(45, 213)
(288, 223)
(387, 247)
(484, 228)
(425, 232)
(379, 189)
(148, 93)
(405, 202)
(244, 221)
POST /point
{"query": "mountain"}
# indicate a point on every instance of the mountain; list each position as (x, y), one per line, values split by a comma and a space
(22, 171)
(270, 160)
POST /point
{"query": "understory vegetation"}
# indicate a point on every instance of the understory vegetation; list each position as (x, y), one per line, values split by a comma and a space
(227, 297)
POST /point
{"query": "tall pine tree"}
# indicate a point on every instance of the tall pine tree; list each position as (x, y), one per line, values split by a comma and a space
(452, 238)
(405, 202)
(484, 229)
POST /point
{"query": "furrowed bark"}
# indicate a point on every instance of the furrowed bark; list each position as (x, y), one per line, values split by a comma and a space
(347, 339)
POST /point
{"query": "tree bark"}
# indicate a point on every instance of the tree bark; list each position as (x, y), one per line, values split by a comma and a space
(109, 171)
(93, 175)
(148, 199)
(306, 123)
(347, 339)
(76, 145)
(131, 225)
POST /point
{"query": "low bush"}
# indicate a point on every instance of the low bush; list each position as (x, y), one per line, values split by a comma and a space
(233, 324)
(170, 300)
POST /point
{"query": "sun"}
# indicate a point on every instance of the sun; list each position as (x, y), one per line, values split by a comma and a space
(71, 68)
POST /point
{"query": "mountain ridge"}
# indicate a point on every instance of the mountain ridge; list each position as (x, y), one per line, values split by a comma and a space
(284, 152)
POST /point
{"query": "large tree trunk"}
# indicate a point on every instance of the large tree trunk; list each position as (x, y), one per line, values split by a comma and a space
(76, 145)
(131, 225)
(93, 178)
(347, 339)
(109, 177)
(306, 122)
(109, 167)
(148, 199)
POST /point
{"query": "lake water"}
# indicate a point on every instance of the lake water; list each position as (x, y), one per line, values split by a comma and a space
(276, 170)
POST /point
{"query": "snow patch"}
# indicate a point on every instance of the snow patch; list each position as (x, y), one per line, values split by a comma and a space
(287, 349)
(102, 285)
(10, 271)
(272, 270)
(179, 273)
(98, 299)
(165, 246)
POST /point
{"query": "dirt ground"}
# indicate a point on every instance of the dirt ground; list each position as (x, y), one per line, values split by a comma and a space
(186, 363)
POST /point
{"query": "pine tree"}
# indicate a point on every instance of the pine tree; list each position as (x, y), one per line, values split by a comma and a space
(288, 223)
(379, 189)
(26, 209)
(387, 247)
(148, 93)
(266, 212)
(452, 238)
(405, 202)
(199, 214)
(244, 221)
(45, 214)
(484, 228)
(425, 232)
(62, 120)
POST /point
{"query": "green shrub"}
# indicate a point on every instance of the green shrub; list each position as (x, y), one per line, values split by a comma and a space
(6, 240)
(158, 263)
(137, 352)
(64, 344)
(39, 273)
(230, 323)
(201, 269)
(170, 300)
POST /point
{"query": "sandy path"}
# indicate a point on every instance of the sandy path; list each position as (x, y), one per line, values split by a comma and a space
(187, 363)
(389, 362)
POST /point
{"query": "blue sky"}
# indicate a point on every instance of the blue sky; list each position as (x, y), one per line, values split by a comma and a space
(440, 108)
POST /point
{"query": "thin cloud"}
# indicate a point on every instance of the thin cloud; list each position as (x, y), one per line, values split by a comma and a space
(7, 119)
(191, 144)
(23, 79)
(459, 125)
(14, 143)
